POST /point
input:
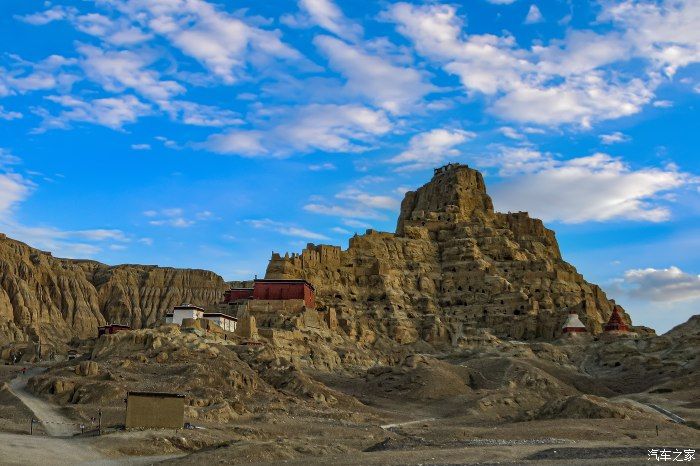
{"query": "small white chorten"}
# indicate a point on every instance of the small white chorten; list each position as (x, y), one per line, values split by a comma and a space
(573, 324)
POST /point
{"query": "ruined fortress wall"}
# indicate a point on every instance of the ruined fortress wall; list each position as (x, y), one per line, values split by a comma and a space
(452, 257)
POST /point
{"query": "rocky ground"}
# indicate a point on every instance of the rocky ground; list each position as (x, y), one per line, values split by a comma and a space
(328, 401)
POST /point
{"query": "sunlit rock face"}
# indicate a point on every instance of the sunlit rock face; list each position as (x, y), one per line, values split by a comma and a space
(452, 267)
(50, 299)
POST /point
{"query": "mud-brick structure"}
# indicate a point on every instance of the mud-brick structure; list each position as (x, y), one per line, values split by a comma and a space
(274, 290)
(453, 265)
(155, 410)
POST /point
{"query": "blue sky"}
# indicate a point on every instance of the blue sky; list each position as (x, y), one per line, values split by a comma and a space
(197, 134)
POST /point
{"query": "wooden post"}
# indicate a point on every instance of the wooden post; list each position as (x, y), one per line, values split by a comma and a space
(31, 427)
(99, 422)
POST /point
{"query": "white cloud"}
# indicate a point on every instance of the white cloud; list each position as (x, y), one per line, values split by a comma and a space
(118, 71)
(173, 217)
(322, 166)
(665, 32)
(112, 112)
(285, 229)
(96, 235)
(223, 43)
(78, 243)
(329, 127)
(594, 188)
(533, 15)
(394, 88)
(484, 63)
(614, 138)
(662, 103)
(368, 200)
(13, 189)
(141, 146)
(8, 114)
(660, 285)
(195, 114)
(7, 158)
(567, 81)
(356, 202)
(176, 217)
(50, 74)
(41, 18)
(327, 15)
(582, 99)
(580, 52)
(340, 231)
(512, 161)
(510, 133)
(431, 148)
(118, 32)
(351, 211)
(501, 2)
(353, 223)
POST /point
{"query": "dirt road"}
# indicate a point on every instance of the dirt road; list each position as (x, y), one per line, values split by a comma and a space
(61, 447)
(55, 423)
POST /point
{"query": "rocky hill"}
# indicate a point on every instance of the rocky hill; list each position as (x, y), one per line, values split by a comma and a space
(51, 299)
(452, 266)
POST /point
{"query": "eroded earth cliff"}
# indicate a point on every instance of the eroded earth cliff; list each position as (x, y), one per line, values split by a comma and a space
(51, 299)
(452, 266)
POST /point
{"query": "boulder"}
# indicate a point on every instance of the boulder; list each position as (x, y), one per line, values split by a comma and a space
(87, 368)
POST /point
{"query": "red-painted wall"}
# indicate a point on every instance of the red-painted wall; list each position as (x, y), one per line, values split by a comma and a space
(282, 290)
(234, 295)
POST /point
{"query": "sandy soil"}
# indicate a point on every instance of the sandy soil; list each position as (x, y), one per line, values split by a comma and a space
(53, 421)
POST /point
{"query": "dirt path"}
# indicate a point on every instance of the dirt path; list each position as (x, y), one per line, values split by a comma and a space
(407, 423)
(55, 423)
(27, 450)
(18, 449)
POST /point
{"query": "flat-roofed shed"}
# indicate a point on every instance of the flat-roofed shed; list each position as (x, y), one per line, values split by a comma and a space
(155, 410)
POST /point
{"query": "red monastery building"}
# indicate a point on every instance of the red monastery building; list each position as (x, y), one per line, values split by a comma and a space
(236, 294)
(274, 290)
(616, 324)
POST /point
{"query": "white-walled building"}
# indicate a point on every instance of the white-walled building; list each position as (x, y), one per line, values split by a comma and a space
(189, 311)
(225, 321)
(184, 311)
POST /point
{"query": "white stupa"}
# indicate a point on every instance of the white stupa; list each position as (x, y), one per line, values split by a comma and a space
(573, 324)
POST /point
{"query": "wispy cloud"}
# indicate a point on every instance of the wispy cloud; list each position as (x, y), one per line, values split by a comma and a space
(286, 229)
(112, 112)
(325, 14)
(331, 128)
(431, 148)
(534, 15)
(174, 217)
(614, 138)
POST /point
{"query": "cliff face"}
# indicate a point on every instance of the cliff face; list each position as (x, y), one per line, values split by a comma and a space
(453, 265)
(51, 299)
